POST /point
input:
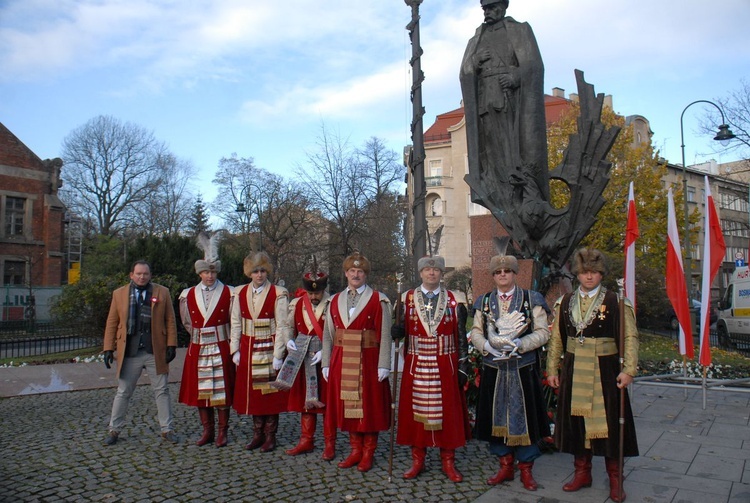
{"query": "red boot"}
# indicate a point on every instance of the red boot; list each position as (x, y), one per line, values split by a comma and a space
(221, 438)
(582, 476)
(355, 441)
(259, 437)
(616, 493)
(505, 472)
(329, 436)
(368, 451)
(417, 462)
(448, 458)
(308, 422)
(272, 425)
(527, 479)
(207, 420)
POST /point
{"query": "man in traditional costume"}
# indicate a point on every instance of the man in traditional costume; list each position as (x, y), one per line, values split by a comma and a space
(357, 363)
(301, 372)
(208, 371)
(586, 336)
(259, 317)
(432, 405)
(510, 327)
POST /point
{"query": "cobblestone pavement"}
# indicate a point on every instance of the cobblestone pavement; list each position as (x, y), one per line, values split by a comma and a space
(52, 450)
(695, 448)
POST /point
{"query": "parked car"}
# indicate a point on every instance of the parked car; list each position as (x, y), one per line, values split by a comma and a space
(695, 310)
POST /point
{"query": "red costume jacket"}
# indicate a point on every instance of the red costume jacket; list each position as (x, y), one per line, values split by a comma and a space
(375, 395)
(302, 326)
(247, 398)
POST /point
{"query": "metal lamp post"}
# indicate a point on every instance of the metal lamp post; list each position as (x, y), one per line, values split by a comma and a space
(241, 208)
(723, 136)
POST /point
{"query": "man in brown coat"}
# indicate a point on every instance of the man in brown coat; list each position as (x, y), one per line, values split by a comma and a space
(141, 328)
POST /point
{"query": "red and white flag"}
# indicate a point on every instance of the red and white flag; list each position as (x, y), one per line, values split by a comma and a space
(631, 234)
(676, 287)
(714, 249)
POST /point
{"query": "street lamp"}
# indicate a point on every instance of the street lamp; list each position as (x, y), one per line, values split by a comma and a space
(241, 208)
(723, 136)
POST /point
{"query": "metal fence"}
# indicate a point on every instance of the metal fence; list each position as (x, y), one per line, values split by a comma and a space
(28, 339)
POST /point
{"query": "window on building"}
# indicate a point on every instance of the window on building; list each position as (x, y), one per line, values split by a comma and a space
(436, 167)
(14, 273)
(691, 194)
(14, 216)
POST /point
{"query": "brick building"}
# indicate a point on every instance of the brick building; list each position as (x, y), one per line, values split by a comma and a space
(32, 217)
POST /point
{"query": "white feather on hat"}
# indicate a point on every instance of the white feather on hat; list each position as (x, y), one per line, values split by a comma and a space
(209, 244)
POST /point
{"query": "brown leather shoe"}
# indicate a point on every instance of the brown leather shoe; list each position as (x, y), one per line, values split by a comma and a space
(170, 437)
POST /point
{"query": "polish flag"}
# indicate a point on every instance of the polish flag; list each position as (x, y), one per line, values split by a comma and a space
(714, 249)
(676, 287)
(631, 234)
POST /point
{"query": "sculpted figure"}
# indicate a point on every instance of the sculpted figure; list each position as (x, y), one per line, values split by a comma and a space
(502, 81)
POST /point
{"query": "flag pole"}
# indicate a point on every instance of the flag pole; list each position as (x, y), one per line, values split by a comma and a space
(394, 384)
(621, 457)
(684, 373)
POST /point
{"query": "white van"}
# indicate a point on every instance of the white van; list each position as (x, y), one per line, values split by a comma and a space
(733, 325)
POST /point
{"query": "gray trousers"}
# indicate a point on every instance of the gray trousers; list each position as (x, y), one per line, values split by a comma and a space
(132, 367)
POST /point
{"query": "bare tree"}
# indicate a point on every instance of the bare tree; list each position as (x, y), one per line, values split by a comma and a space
(168, 211)
(237, 181)
(111, 167)
(382, 167)
(275, 214)
(341, 183)
(357, 192)
(736, 107)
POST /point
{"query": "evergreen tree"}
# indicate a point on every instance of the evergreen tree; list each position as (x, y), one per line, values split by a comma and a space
(199, 218)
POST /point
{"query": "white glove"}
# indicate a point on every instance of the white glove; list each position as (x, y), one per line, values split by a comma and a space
(317, 357)
(236, 358)
(291, 345)
(383, 374)
(491, 350)
(324, 370)
(277, 362)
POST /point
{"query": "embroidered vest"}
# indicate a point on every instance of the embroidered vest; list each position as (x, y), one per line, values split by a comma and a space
(605, 324)
(219, 316)
(446, 329)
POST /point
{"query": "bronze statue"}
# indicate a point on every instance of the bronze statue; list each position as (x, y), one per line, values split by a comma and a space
(502, 81)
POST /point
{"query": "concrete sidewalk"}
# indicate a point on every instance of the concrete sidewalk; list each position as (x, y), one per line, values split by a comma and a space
(36, 379)
(51, 443)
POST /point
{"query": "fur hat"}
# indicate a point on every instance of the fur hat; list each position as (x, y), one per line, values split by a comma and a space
(256, 261)
(357, 260)
(435, 261)
(503, 262)
(589, 259)
(315, 281)
(205, 265)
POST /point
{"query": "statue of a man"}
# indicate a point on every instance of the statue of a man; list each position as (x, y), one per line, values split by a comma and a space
(502, 81)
